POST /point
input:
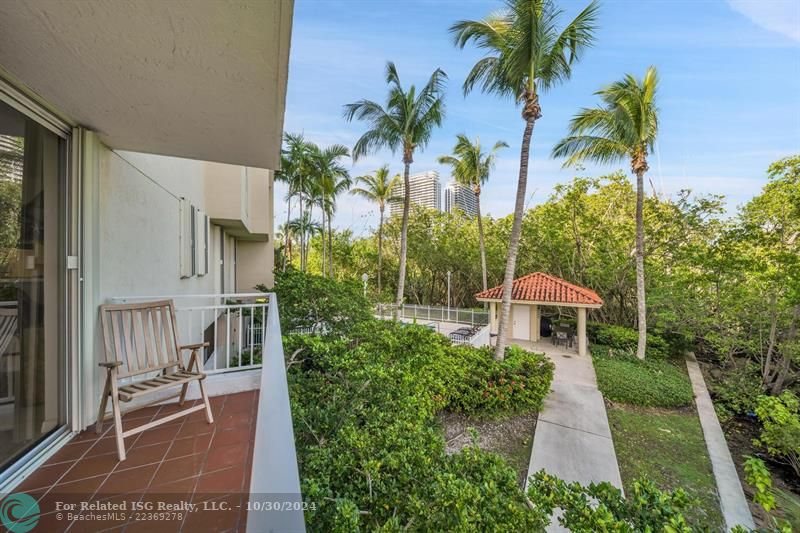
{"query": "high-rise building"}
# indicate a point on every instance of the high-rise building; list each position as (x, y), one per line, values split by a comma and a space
(425, 191)
(456, 196)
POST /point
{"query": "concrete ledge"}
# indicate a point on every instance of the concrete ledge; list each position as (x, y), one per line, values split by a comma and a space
(732, 501)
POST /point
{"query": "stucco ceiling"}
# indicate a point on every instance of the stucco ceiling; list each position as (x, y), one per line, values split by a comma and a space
(203, 79)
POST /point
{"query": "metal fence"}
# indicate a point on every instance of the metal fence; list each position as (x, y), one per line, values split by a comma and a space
(473, 317)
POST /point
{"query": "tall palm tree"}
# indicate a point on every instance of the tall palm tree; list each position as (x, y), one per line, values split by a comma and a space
(331, 179)
(406, 123)
(304, 225)
(378, 188)
(624, 126)
(525, 55)
(296, 173)
(332, 188)
(471, 167)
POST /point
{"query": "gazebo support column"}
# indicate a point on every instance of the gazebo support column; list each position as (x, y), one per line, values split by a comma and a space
(582, 342)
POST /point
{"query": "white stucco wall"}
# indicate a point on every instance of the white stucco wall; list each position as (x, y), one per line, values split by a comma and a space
(135, 209)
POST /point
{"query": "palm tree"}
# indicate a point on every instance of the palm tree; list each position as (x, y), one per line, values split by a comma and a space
(304, 225)
(406, 123)
(295, 172)
(525, 55)
(378, 188)
(471, 167)
(331, 179)
(624, 126)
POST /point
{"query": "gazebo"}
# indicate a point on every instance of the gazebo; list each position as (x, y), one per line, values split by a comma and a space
(530, 292)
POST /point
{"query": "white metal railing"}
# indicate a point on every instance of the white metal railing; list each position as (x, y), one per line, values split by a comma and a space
(251, 319)
(473, 317)
(233, 323)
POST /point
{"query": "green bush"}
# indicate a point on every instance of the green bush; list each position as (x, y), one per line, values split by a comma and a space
(646, 383)
(518, 383)
(736, 391)
(780, 427)
(602, 507)
(371, 455)
(313, 302)
(626, 339)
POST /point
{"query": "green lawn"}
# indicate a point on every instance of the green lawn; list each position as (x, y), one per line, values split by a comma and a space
(669, 449)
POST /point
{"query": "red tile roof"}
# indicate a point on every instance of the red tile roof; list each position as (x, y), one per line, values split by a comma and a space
(541, 287)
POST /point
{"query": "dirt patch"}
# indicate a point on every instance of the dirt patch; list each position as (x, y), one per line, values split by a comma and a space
(510, 437)
(740, 432)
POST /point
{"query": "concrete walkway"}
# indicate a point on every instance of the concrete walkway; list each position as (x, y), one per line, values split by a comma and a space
(732, 501)
(573, 438)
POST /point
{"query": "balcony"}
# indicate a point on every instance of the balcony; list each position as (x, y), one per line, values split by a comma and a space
(200, 476)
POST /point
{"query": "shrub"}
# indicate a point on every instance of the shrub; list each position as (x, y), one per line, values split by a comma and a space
(646, 383)
(736, 391)
(602, 507)
(758, 476)
(314, 302)
(370, 453)
(780, 427)
(626, 339)
(518, 383)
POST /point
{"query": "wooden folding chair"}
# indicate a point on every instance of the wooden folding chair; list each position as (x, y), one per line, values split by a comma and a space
(141, 339)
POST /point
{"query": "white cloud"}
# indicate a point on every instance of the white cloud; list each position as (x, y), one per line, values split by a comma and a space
(779, 16)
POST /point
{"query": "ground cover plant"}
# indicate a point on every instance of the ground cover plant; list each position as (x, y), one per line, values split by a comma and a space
(651, 382)
(668, 448)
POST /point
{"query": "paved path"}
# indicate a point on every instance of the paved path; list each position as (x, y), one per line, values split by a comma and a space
(573, 438)
(731, 497)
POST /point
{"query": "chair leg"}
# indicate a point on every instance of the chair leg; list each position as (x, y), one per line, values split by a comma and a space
(117, 420)
(101, 414)
(209, 416)
(182, 399)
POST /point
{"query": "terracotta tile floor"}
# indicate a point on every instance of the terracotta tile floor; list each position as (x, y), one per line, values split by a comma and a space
(184, 462)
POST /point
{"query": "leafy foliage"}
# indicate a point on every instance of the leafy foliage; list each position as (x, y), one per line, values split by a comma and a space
(646, 383)
(363, 408)
(602, 507)
(625, 339)
(758, 476)
(317, 303)
(518, 383)
(780, 431)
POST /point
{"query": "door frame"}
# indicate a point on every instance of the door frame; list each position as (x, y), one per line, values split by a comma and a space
(69, 290)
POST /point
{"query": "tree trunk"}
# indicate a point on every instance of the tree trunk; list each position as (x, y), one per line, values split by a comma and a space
(380, 249)
(481, 242)
(641, 346)
(286, 247)
(401, 276)
(783, 372)
(513, 245)
(324, 256)
(302, 238)
(330, 244)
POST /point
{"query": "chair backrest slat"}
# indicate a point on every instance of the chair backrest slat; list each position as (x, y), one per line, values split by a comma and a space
(8, 327)
(141, 336)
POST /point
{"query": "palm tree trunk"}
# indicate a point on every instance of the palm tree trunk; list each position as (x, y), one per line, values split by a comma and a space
(513, 245)
(302, 238)
(330, 244)
(288, 219)
(380, 250)
(482, 244)
(640, 296)
(322, 236)
(401, 277)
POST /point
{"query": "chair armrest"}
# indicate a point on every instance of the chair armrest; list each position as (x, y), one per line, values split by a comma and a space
(195, 346)
(111, 364)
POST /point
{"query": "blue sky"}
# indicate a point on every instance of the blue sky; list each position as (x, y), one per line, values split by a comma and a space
(729, 93)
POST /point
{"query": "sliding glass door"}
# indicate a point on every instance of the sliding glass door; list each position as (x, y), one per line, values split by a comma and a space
(32, 361)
